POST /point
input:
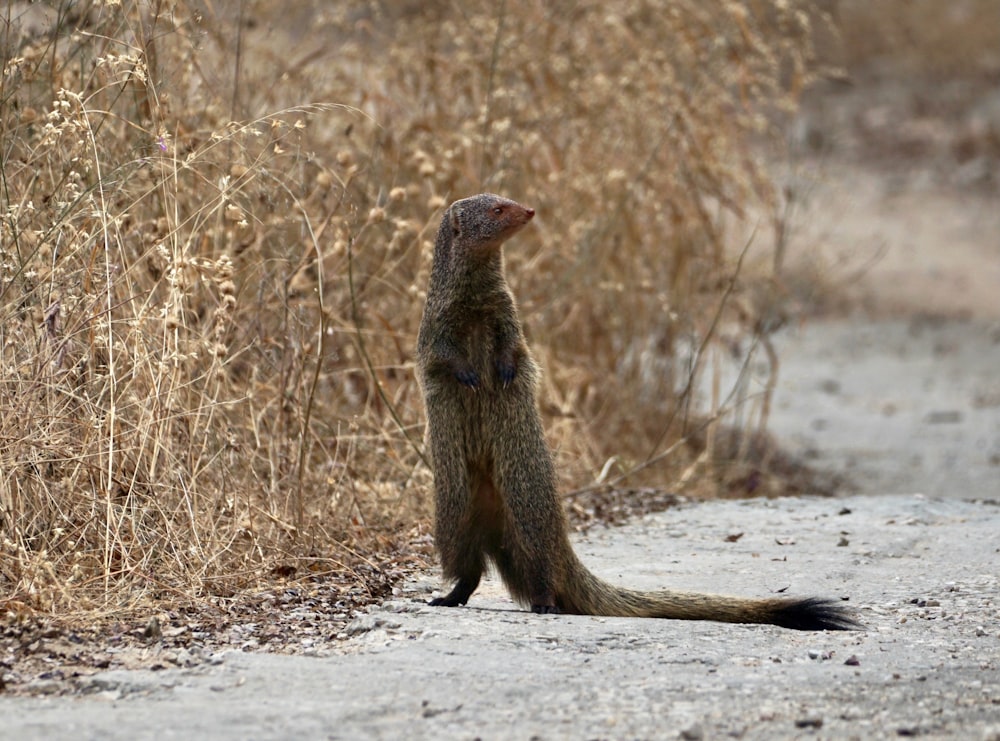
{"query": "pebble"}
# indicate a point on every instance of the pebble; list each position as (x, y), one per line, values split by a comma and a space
(693, 732)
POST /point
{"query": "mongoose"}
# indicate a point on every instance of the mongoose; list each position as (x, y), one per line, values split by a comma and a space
(494, 479)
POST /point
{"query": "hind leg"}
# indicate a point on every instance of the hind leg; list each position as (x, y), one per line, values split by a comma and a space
(464, 522)
(529, 556)
(523, 585)
(535, 531)
(462, 559)
(461, 552)
(480, 535)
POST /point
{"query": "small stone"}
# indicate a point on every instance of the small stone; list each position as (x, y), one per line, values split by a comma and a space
(362, 624)
(45, 687)
(943, 417)
(95, 684)
(152, 631)
(693, 732)
(809, 723)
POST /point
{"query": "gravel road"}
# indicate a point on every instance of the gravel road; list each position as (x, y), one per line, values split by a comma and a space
(900, 407)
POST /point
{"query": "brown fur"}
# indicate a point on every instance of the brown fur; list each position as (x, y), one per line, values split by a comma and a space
(495, 485)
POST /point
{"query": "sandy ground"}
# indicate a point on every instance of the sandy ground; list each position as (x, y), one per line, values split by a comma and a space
(900, 406)
(902, 394)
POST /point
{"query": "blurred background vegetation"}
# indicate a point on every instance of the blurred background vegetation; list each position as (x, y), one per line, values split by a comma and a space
(215, 238)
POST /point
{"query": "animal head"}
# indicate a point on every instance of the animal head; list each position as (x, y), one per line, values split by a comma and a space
(485, 221)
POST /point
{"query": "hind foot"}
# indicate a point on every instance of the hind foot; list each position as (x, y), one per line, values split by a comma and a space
(446, 602)
(545, 604)
(457, 596)
(546, 609)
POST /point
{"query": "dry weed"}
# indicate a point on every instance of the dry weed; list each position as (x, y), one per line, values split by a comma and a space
(215, 241)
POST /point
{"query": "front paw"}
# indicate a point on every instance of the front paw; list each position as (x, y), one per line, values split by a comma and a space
(468, 378)
(506, 370)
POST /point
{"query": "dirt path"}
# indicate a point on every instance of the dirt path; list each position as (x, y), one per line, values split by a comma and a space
(897, 244)
(921, 572)
(900, 406)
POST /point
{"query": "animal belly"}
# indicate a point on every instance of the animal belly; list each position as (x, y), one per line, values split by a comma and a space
(488, 515)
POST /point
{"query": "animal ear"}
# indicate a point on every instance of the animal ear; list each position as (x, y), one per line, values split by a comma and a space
(454, 219)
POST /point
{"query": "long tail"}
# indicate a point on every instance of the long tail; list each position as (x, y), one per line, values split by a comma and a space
(585, 594)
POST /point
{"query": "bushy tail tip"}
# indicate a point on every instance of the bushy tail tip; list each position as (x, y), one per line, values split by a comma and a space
(814, 613)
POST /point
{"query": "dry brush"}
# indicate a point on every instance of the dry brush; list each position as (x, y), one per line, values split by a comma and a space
(215, 239)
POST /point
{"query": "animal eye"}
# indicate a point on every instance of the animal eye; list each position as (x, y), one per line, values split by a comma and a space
(498, 210)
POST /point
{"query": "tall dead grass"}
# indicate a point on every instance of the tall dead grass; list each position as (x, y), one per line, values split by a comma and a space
(216, 226)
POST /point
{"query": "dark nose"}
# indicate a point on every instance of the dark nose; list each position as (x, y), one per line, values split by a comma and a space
(530, 211)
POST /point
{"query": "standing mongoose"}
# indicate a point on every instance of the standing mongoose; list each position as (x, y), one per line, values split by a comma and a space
(494, 480)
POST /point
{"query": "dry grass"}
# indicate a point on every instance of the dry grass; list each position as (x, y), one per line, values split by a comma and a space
(215, 241)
